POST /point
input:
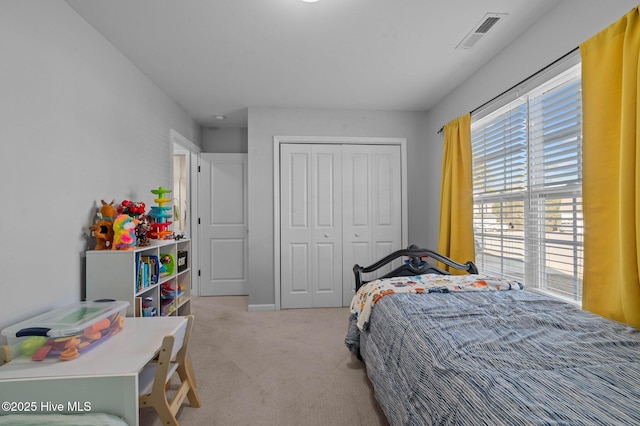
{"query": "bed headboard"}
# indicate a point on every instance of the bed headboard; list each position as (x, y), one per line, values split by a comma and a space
(416, 264)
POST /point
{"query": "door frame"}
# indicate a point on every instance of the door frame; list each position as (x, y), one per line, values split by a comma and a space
(181, 143)
(278, 140)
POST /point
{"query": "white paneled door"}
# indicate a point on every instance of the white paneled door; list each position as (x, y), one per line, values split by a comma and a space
(372, 208)
(311, 241)
(223, 224)
(339, 205)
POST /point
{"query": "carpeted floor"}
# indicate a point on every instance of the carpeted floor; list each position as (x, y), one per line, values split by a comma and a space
(289, 367)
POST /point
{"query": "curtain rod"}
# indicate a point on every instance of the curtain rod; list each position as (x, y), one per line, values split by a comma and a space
(519, 83)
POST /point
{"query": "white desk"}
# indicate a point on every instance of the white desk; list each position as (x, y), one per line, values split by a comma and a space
(105, 377)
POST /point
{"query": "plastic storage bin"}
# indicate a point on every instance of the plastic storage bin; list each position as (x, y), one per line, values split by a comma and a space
(67, 332)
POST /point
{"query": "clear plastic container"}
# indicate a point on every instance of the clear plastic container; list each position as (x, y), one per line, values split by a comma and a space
(66, 332)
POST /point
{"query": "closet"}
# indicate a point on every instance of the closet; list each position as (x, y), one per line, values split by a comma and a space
(340, 204)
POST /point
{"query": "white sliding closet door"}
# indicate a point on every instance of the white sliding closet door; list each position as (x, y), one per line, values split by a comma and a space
(372, 208)
(339, 205)
(311, 226)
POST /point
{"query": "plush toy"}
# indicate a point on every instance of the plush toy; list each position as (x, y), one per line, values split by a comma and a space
(124, 232)
(103, 231)
(103, 228)
(107, 211)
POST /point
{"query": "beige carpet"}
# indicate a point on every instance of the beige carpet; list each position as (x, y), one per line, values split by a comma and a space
(289, 367)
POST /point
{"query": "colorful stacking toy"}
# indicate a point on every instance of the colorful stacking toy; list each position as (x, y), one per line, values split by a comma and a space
(160, 213)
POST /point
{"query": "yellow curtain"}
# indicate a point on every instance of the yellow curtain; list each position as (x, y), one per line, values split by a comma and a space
(456, 193)
(611, 171)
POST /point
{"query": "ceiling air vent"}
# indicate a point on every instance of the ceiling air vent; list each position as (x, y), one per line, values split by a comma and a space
(479, 31)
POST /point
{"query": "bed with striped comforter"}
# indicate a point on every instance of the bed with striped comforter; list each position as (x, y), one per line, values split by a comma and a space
(498, 358)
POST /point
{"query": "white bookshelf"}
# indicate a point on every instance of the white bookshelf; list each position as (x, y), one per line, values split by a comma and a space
(114, 274)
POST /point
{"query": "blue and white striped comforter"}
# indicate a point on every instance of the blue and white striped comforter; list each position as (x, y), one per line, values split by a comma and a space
(499, 358)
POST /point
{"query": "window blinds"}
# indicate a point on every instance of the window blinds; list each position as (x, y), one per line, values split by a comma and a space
(527, 172)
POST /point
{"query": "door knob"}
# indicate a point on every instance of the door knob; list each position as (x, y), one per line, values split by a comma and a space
(326, 235)
(357, 235)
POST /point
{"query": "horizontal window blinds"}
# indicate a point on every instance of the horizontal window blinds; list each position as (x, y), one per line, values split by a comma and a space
(527, 171)
(556, 136)
(500, 153)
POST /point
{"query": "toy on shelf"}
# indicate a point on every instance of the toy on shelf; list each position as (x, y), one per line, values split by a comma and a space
(180, 294)
(159, 214)
(167, 264)
(167, 297)
(166, 292)
(124, 232)
(166, 307)
(148, 310)
(136, 210)
(107, 211)
(133, 208)
(103, 228)
(142, 231)
(103, 231)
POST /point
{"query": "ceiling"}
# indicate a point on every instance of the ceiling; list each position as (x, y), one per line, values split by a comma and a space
(219, 57)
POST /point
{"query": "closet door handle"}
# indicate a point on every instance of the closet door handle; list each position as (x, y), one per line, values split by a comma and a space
(326, 235)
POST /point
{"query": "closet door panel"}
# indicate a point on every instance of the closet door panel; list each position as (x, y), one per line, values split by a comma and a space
(299, 268)
(298, 190)
(311, 225)
(357, 215)
(295, 224)
(387, 195)
(326, 202)
(327, 265)
(372, 218)
(387, 212)
(382, 182)
(353, 251)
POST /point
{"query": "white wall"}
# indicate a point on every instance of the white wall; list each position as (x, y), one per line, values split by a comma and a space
(560, 31)
(78, 123)
(225, 140)
(265, 123)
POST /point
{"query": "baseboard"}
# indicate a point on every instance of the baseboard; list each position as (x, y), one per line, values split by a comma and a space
(266, 307)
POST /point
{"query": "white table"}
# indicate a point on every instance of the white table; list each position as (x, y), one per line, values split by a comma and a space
(104, 379)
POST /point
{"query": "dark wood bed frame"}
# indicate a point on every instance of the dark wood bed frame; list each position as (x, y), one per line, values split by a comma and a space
(416, 264)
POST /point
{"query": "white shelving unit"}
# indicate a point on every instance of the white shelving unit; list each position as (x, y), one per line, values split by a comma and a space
(115, 274)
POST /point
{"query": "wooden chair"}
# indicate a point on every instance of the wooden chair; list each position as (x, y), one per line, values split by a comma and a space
(154, 379)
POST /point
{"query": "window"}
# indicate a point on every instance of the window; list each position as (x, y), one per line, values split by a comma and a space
(527, 185)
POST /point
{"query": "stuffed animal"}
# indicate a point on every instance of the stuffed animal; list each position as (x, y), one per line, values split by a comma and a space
(103, 231)
(124, 232)
(107, 211)
(103, 228)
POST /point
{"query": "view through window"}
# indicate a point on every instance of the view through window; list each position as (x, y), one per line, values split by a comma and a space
(527, 186)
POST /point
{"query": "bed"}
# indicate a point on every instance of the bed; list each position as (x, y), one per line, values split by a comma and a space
(470, 350)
